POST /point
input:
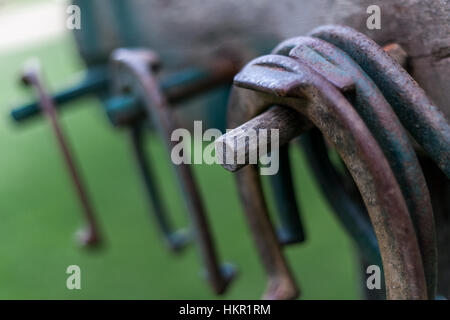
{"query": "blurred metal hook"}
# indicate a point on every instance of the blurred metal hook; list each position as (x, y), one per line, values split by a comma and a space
(134, 71)
(32, 77)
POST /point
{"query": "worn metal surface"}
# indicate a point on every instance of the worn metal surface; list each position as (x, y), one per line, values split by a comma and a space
(418, 114)
(133, 70)
(290, 229)
(336, 66)
(125, 109)
(89, 236)
(281, 284)
(279, 80)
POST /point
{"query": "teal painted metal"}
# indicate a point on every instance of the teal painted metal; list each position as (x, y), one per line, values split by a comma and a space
(96, 82)
(291, 230)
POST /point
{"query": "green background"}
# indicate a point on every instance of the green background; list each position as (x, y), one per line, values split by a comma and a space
(40, 213)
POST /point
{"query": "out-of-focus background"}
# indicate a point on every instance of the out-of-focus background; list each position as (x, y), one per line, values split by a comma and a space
(40, 213)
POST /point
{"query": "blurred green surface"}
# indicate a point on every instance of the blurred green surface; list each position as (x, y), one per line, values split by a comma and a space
(40, 213)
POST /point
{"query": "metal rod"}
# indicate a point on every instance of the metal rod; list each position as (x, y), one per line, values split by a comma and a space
(90, 236)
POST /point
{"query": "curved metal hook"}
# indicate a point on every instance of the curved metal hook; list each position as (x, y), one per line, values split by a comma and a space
(291, 229)
(90, 235)
(417, 113)
(336, 66)
(133, 70)
(278, 80)
(350, 213)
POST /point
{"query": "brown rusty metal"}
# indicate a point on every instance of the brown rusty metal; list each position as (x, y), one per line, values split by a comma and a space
(417, 113)
(290, 229)
(90, 235)
(278, 80)
(369, 102)
(134, 71)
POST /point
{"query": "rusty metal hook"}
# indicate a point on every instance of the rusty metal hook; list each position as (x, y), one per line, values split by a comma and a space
(278, 80)
(417, 113)
(133, 70)
(346, 75)
(340, 190)
(32, 77)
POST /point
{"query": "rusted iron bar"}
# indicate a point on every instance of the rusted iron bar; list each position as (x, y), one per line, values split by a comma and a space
(133, 71)
(90, 235)
(349, 210)
(238, 140)
(291, 229)
(342, 194)
(396, 52)
(279, 80)
(94, 81)
(417, 113)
